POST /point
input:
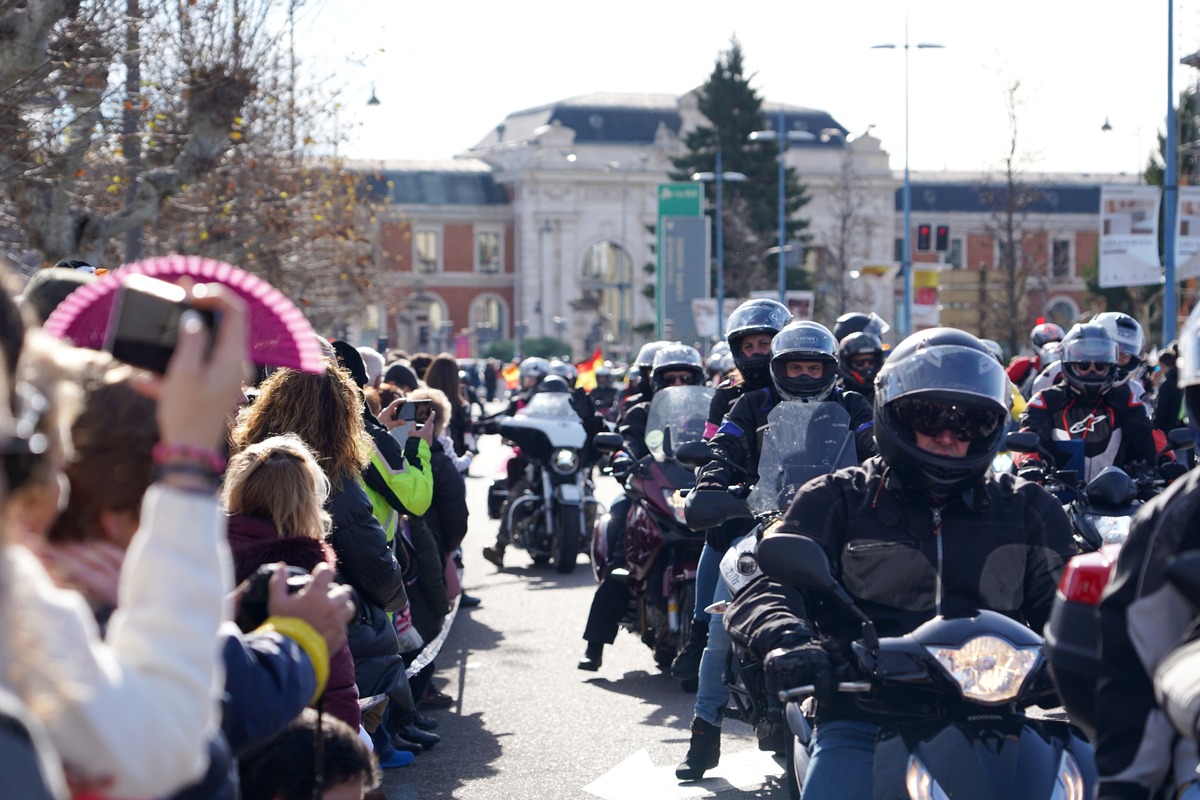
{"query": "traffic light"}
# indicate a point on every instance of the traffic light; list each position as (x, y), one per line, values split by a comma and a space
(942, 238)
(923, 237)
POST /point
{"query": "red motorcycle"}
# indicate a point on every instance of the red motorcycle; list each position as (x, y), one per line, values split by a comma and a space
(661, 551)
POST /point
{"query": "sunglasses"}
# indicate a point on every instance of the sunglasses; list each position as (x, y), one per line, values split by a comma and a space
(1090, 366)
(676, 379)
(930, 418)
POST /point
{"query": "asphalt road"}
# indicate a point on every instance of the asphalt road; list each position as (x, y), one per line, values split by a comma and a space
(526, 723)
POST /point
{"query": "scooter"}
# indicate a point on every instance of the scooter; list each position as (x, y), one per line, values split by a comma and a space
(661, 552)
(548, 519)
(954, 693)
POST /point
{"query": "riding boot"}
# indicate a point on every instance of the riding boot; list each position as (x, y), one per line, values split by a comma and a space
(592, 657)
(704, 751)
(495, 554)
(687, 664)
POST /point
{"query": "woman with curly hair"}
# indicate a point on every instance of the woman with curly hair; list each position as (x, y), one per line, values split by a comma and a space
(442, 375)
(326, 411)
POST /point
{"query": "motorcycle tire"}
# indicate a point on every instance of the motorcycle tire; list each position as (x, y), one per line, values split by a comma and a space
(567, 536)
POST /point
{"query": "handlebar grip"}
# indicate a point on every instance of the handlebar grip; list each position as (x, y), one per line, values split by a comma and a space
(801, 692)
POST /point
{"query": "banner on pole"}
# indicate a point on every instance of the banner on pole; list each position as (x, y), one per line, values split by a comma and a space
(1129, 236)
(925, 308)
(1187, 234)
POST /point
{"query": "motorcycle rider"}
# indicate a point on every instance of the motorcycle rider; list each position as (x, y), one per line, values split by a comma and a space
(1142, 617)
(860, 355)
(675, 364)
(1091, 406)
(925, 528)
(637, 378)
(803, 368)
(1022, 369)
(859, 322)
(748, 334)
(604, 396)
(714, 364)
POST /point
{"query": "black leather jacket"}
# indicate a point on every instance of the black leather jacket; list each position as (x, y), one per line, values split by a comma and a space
(999, 545)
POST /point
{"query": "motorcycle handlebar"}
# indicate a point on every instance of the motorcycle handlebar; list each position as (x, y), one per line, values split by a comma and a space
(801, 692)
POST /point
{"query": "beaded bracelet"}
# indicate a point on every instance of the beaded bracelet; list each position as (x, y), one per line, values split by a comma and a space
(211, 479)
(213, 461)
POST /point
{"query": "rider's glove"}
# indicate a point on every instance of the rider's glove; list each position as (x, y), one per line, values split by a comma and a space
(1032, 471)
(808, 663)
(621, 467)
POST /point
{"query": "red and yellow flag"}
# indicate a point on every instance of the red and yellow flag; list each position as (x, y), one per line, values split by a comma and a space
(587, 371)
(512, 376)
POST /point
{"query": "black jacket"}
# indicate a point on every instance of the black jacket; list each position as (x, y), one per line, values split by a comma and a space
(1000, 546)
(447, 514)
(1168, 405)
(1134, 743)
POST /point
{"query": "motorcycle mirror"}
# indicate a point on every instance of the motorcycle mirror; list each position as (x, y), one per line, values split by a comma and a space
(800, 561)
(608, 442)
(1183, 571)
(1021, 442)
(694, 454)
(1181, 439)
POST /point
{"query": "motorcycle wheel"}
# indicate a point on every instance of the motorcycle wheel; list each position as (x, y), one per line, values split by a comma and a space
(789, 775)
(566, 539)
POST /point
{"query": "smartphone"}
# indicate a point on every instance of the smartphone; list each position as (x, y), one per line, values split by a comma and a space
(414, 411)
(143, 329)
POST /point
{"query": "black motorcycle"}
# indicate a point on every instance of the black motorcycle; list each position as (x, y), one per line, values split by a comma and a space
(549, 519)
(954, 692)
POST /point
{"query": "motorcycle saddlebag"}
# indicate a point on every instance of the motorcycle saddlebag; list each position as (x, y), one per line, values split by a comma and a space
(497, 494)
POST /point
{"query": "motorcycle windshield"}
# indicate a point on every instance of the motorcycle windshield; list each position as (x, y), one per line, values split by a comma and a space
(677, 415)
(803, 440)
(549, 413)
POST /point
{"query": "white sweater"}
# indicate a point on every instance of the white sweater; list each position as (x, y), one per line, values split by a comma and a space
(140, 705)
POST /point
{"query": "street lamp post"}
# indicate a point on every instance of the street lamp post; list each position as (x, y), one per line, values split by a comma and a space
(719, 176)
(783, 136)
(905, 325)
(541, 303)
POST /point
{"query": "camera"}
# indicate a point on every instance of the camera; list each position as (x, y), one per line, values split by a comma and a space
(252, 610)
(143, 329)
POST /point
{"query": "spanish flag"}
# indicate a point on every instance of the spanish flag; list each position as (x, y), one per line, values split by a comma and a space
(587, 371)
(512, 375)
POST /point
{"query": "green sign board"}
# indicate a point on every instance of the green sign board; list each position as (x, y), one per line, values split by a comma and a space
(675, 200)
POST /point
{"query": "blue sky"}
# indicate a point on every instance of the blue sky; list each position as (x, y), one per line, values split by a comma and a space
(447, 72)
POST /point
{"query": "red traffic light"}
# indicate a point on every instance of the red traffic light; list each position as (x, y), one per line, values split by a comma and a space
(923, 236)
(942, 240)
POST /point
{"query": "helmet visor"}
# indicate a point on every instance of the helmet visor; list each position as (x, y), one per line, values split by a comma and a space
(963, 374)
(1102, 351)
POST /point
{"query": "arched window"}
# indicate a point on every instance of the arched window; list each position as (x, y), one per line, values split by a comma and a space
(606, 267)
(1062, 310)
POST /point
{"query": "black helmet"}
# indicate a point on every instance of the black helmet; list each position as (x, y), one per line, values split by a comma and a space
(751, 317)
(1131, 341)
(676, 357)
(1043, 334)
(932, 378)
(1084, 347)
(554, 383)
(857, 345)
(857, 321)
(804, 341)
(1188, 365)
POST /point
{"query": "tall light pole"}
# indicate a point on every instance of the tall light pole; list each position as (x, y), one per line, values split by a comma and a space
(905, 326)
(1170, 186)
(782, 135)
(719, 177)
(545, 228)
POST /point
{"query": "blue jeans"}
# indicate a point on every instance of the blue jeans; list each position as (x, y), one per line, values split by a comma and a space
(843, 761)
(711, 694)
(708, 572)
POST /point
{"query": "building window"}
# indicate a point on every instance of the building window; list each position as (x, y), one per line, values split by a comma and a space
(954, 256)
(487, 251)
(1060, 264)
(426, 251)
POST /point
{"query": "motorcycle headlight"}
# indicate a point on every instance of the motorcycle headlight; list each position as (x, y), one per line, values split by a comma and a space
(1068, 785)
(920, 783)
(564, 461)
(675, 502)
(987, 668)
(1113, 530)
